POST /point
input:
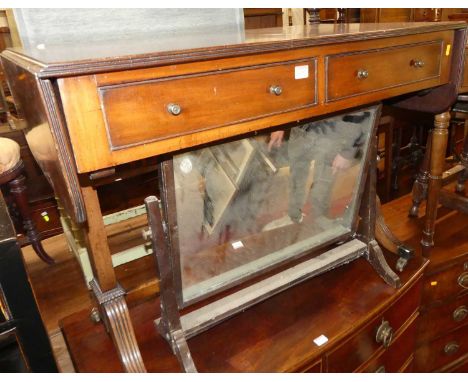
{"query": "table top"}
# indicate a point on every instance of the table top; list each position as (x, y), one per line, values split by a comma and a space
(200, 44)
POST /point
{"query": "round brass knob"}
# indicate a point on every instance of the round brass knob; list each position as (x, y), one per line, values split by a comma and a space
(362, 74)
(384, 334)
(418, 63)
(463, 280)
(460, 313)
(276, 90)
(451, 348)
(174, 109)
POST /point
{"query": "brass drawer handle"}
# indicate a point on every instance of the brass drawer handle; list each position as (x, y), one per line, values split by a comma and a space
(460, 313)
(362, 74)
(463, 280)
(384, 334)
(418, 63)
(174, 109)
(451, 348)
(276, 90)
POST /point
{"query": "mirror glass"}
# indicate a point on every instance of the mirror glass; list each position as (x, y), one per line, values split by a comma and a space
(251, 204)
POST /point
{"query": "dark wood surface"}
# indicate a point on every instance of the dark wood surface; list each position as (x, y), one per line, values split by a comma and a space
(92, 349)
(256, 340)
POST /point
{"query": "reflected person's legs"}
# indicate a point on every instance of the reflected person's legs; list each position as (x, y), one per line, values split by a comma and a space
(301, 148)
(324, 178)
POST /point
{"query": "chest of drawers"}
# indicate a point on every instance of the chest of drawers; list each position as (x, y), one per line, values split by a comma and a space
(442, 334)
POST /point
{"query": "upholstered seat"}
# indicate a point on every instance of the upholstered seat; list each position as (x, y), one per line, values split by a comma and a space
(9, 154)
(11, 174)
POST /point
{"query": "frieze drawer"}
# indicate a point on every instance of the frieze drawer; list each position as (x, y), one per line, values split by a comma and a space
(159, 109)
(376, 336)
(356, 73)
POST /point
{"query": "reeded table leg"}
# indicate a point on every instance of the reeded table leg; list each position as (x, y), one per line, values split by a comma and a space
(108, 293)
(437, 159)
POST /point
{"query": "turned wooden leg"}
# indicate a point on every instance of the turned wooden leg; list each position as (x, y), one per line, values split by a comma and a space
(419, 192)
(108, 293)
(19, 192)
(389, 241)
(367, 224)
(437, 160)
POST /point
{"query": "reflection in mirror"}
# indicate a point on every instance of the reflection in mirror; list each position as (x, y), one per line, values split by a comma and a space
(247, 205)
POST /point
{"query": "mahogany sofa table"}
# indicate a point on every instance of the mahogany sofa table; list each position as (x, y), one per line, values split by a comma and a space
(95, 111)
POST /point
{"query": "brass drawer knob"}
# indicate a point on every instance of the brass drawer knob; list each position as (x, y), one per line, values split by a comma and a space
(384, 334)
(451, 348)
(276, 90)
(463, 280)
(362, 74)
(460, 313)
(418, 63)
(174, 109)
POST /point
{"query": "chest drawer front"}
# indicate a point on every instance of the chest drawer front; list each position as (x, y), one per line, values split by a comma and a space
(443, 351)
(451, 282)
(356, 73)
(361, 347)
(438, 320)
(156, 110)
(393, 359)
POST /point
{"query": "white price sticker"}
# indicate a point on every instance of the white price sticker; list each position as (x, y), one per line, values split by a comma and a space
(301, 72)
(237, 245)
(321, 340)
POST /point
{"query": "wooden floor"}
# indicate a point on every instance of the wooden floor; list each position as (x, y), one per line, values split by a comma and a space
(60, 289)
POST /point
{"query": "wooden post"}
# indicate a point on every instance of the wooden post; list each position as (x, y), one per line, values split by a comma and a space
(437, 161)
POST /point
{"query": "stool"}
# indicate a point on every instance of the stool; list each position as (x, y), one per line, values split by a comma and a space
(11, 174)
